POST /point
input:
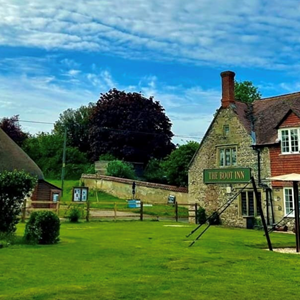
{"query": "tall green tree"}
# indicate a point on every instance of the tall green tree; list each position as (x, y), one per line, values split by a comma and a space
(176, 164)
(13, 129)
(77, 123)
(130, 127)
(46, 150)
(245, 91)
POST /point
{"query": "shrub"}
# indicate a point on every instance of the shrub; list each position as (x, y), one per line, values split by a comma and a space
(107, 157)
(118, 168)
(201, 215)
(74, 214)
(214, 219)
(43, 228)
(14, 187)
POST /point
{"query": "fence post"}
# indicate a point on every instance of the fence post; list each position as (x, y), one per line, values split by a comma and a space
(176, 211)
(57, 208)
(24, 211)
(141, 211)
(115, 211)
(87, 211)
(196, 212)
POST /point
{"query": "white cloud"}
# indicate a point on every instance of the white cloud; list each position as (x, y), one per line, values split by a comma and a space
(227, 33)
(42, 96)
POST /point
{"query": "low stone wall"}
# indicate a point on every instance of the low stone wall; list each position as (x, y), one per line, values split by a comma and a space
(145, 191)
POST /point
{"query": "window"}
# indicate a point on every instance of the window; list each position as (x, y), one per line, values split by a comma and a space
(248, 204)
(227, 156)
(289, 201)
(290, 140)
(225, 130)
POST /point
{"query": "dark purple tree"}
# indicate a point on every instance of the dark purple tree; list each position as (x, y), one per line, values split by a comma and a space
(130, 127)
(13, 129)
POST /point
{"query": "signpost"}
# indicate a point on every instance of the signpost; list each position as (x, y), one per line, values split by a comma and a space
(233, 175)
(80, 194)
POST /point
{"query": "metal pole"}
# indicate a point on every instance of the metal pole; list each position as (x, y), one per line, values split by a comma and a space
(296, 206)
(63, 162)
(268, 215)
(261, 213)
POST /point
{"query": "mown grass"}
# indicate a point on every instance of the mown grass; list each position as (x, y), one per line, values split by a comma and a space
(104, 201)
(149, 260)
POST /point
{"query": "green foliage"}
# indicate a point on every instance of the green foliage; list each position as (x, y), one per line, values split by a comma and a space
(13, 129)
(77, 124)
(214, 219)
(89, 169)
(258, 223)
(42, 227)
(246, 92)
(201, 215)
(118, 168)
(47, 149)
(130, 127)
(14, 187)
(107, 157)
(74, 214)
(154, 171)
(176, 164)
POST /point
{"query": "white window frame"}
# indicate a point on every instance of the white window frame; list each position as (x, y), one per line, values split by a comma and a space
(287, 148)
(224, 149)
(291, 200)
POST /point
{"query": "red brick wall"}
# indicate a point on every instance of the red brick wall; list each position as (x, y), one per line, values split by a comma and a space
(291, 121)
(283, 164)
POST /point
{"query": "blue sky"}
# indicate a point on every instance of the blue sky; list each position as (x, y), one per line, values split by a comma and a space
(62, 54)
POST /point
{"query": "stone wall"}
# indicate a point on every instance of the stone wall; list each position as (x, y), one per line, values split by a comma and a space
(145, 191)
(212, 196)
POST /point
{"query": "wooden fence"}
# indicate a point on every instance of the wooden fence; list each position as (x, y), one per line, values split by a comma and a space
(116, 210)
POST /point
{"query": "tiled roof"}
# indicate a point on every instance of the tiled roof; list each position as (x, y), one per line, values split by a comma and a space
(12, 157)
(269, 112)
(264, 115)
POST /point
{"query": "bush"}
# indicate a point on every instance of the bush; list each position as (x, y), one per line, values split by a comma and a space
(107, 157)
(201, 215)
(214, 219)
(43, 228)
(118, 168)
(74, 214)
(14, 187)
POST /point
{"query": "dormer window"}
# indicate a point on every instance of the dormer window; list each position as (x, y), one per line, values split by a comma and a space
(290, 140)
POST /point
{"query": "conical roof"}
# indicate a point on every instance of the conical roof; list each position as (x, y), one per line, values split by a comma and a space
(12, 157)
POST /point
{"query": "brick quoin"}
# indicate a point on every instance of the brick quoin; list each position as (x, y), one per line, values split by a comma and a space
(291, 121)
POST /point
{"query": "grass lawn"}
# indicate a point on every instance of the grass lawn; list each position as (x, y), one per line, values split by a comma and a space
(149, 260)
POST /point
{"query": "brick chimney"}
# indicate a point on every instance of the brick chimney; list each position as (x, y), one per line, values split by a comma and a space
(227, 88)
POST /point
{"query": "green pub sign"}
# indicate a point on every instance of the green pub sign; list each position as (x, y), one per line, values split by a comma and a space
(234, 175)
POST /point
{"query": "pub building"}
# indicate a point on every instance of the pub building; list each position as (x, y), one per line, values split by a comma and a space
(262, 137)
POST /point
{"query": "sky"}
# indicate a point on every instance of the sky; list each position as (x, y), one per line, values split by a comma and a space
(62, 54)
